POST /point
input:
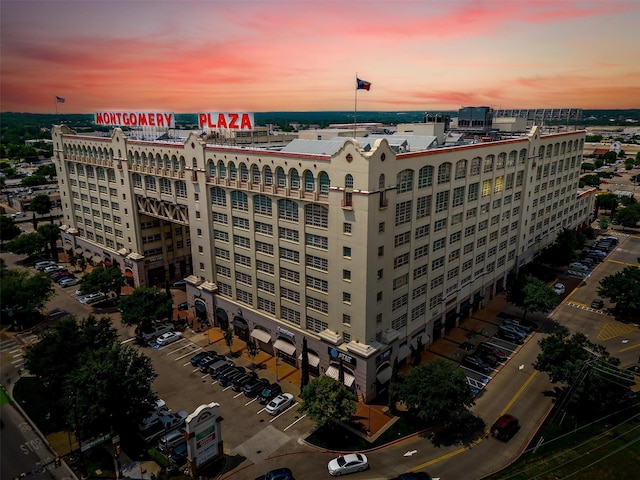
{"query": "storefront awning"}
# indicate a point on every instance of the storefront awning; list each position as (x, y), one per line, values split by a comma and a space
(78, 250)
(334, 373)
(88, 255)
(285, 347)
(261, 335)
(128, 274)
(314, 360)
(384, 375)
(403, 352)
(242, 325)
(97, 258)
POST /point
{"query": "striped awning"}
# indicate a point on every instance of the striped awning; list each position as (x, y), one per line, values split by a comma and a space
(284, 346)
(334, 373)
(261, 335)
(314, 360)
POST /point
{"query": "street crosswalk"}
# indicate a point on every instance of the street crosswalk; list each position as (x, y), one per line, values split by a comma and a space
(12, 349)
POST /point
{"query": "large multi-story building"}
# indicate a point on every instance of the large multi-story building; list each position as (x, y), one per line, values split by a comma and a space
(360, 249)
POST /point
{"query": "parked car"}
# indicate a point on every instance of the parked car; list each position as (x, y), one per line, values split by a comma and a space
(179, 454)
(197, 357)
(597, 304)
(526, 325)
(93, 298)
(204, 363)
(588, 262)
(485, 348)
(216, 367)
(254, 387)
(238, 382)
(559, 288)
(277, 474)
(513, 329)
(172, 421)
(509, 337)
(171, 440)
(597, 252)
(611, 239)
(42, 264)
(475, 363)
(157, 329)
(505, 427)
(489, 359)
(225, 376)
(59, 276)
(269, 392)
(18, 215)
(181, 284)
(53, 268)
(69, 282)
(169, 337)
(279, 404)
(578, 266)
(353, 462)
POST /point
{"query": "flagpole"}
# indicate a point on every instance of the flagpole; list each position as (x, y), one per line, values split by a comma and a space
(55, 100)
(355, 109)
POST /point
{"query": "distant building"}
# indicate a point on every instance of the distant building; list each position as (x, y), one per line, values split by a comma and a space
(541, 114)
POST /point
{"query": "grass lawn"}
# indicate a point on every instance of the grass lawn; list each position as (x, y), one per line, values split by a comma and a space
(29, 394)
(607, 450)
(4, 398)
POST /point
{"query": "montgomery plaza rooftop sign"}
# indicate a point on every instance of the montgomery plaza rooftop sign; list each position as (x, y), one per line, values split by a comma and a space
(135, 119)
(228, 120)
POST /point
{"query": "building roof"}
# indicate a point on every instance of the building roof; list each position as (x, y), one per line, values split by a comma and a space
(316, 147)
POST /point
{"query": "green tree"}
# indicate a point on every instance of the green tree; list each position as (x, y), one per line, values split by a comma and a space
(92, 381)
(563, 250)
(604, 223)
(48, 170)
(532, 295)
(252, 349)
(30, 244)
(41, 204)
(326, 400)
(144, 306)
(623, 289)
(22, 294)
(607, 201)
(8, 228)
(610, 157)
(628, 217)
(304, 365)
(103, 280)
(51, 234)
(587, 167)
(436, 391)
(593, 379)
(228, 338)
(590, 180)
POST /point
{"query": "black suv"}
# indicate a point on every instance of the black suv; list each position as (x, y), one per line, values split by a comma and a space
(475, 363)
(254, 387)
(226, 376)
(203, 364)
(269, 392)
(238, 382)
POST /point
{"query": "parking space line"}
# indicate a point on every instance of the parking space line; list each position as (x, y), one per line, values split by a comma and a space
(250, 401)
(630, 347)
(127, 340)
(173, 351)
(188, 353)
(283, 412)
(261, 410)
(238, 395)
(292, 424)
(194, 370)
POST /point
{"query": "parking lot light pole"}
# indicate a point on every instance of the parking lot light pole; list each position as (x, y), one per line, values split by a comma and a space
(277, 364)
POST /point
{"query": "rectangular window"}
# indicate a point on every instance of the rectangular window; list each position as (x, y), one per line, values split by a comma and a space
(421, 271)
(439, 244)
(422, 231)
(423, 207)
(437, 281)
(290, 295)
(458, 196)
(401, 239)
(290, 255)
(403, 213)
(266, 248)
(242, 260)
(401, 260)
(266, 305)
(437, 263)
(317, 263)
(318, 283)
(223, 271)
(263, 228)
(468, 248)
(244, 278)
(442, 201)
(291, 315)
(346, 227)
(440, 225)
(420, 252)
(472, 213)
(346, 252)
(317, 241)
(241, 241)
(473, 192)
(317, 305)
(290, 275)
(265, 267)
(242, 223)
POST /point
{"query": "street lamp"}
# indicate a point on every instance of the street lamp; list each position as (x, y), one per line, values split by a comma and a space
(277, 364)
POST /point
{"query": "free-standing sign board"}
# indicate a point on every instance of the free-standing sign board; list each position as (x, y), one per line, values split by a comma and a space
(204, 436)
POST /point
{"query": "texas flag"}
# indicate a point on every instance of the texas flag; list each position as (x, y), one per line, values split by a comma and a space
(362, 85)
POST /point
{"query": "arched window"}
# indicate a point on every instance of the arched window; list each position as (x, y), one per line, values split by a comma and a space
(111, 175)
(288, 210)
(461, 169)
(268, 175)
(262, 205)
(324, 182)
(255, 174)
(222, 169)
(150, 183)
(233, 172)
(512, 158)
(488, 163)
(137, 180)
(502, 160)
(167, 162)
(476, 163)
(100, 173)
(523, 156)
(244, 173)
(381, 181)
(348, 181)
(295, 179)
(405, 181)
(309, 181)
(541, 152)
(176, 164)
(212, 168)
(218, 196)
(425, 177)
(181, 188)
(281, 177)
(183, 163)
(239, 201)
(145, 162)
(444, 173)
(165, 186)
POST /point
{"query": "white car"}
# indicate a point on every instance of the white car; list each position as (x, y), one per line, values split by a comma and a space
(53, 268)
(279, 404)
(68, 282)
(42, 264)
(559, 288)
(578, 266)
(353, 462)
(169, 337)
(18, 215)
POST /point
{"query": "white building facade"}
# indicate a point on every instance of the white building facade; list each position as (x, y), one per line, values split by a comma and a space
(363, 253)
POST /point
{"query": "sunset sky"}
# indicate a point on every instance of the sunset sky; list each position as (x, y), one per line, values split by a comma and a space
(302, 55)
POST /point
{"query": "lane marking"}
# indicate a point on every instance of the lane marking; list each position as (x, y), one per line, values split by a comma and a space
(292, 424)
(630, 347)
